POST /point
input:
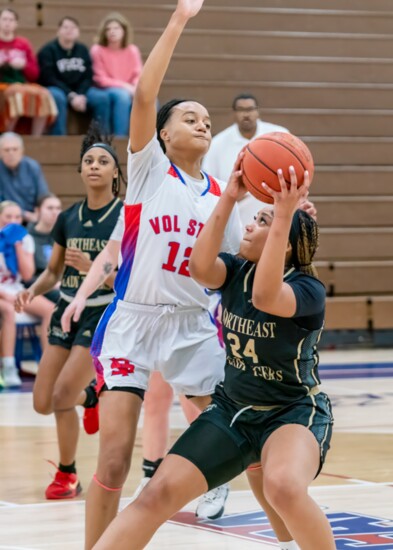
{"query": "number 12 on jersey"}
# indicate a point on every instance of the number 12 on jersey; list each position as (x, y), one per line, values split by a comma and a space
(178, 263)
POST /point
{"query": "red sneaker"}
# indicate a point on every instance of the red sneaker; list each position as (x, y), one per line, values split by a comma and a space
(90, 420)
(63, 486)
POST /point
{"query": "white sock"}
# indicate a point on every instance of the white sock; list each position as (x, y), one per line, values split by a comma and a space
(290, 545)
(8, 361)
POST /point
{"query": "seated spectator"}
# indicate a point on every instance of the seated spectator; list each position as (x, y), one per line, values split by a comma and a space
(66, 71)
(48, 208)
(117, 65)
(23, 99)
(16, 264)
(21, 177)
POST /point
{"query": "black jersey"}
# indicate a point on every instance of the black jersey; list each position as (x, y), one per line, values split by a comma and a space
(89, 231)
(270, 360)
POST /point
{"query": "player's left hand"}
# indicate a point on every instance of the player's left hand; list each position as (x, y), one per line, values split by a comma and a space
(308, 207)
(287, 200)
(77, 259)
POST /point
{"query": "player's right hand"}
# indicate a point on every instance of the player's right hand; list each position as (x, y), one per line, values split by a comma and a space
(72, 312)
(235, 187)
(22, 299)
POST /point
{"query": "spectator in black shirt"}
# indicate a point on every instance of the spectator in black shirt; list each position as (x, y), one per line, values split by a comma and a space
(66, 70)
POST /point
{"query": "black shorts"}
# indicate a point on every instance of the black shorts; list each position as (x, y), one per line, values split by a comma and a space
(226, 438)
(81, 333)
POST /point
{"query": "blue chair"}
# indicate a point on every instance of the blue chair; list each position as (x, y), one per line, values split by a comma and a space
(28, 345)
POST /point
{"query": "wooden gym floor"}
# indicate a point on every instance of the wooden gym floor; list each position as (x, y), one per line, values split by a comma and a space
(355, 488)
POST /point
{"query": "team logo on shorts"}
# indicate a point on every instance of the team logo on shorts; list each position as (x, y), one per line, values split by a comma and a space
(350, 530)
(121, 367)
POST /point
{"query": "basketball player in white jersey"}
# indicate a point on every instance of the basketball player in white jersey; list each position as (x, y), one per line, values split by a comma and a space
(159, 319)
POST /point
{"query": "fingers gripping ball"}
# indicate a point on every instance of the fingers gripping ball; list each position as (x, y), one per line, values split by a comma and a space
(265, 154)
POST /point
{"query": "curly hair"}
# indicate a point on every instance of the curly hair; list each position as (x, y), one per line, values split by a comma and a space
(95, 136)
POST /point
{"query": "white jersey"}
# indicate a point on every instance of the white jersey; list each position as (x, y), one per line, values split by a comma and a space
(164, 211)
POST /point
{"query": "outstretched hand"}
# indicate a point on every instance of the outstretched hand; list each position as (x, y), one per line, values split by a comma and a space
(189, 8)
(287, 200)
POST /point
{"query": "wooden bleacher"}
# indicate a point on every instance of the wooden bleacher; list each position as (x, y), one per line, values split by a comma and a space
(323, 71)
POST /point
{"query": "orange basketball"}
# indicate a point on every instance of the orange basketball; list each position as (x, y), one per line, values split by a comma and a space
(265, 154)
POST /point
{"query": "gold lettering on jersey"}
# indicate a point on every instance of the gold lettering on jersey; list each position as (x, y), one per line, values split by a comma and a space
(267, 373)
(87, 245)
(248, 326)
(236, 362)
(72, 281)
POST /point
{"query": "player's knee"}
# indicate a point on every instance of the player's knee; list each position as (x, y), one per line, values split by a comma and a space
(114, 467)
(157, 496)
(281, 490)
(42, 405)
(63, 398)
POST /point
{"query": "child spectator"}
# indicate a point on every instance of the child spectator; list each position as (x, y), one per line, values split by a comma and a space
(18, 73)
(117, 65)
(48, 208)
(66, 71)
(16, 264)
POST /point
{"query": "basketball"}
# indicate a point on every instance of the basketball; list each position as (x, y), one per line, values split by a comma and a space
(265, 154)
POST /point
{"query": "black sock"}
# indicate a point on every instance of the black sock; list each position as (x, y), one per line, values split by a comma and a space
(70, 469)
(91, 396)
(149, 467)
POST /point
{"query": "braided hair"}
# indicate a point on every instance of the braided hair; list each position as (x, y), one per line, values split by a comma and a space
(304, 240)
(163, 115)
(96, 137)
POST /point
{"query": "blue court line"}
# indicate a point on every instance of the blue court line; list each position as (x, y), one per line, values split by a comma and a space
(356, 370)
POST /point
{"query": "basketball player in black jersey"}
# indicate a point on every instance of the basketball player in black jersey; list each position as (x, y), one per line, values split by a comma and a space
(66, 368)
(269, 411)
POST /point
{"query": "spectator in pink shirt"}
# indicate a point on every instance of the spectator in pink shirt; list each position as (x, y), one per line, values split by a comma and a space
(117, 65)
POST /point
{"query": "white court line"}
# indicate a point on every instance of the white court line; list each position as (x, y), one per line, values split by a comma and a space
(16, 547)
(127, 500)
(6, 504)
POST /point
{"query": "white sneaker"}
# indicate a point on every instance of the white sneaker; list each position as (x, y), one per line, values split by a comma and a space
(144, 481)
(211, 505)
(11, 377)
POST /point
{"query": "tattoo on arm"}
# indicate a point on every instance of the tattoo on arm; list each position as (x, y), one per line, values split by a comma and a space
(107, 268)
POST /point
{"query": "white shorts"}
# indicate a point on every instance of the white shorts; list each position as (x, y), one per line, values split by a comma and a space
(133, 340)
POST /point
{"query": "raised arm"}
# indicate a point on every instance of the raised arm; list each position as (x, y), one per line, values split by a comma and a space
(143, 114)
(270, 293)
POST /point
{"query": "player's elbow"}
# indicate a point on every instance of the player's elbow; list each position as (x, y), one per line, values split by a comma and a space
(196, 269)
(263, 300)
